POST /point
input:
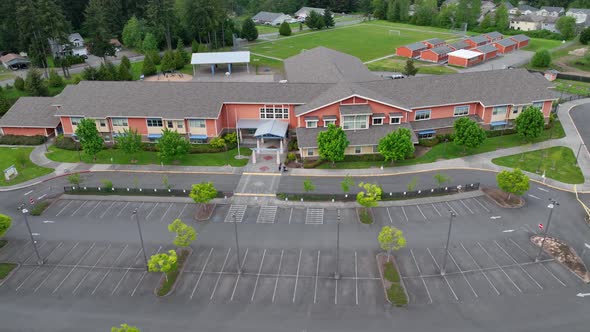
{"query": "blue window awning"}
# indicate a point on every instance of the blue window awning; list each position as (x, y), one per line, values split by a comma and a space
(153, 136)
(198, 137)
(498, 123)
(426, 132)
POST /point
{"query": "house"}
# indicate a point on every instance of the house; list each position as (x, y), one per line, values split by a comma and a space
(74, 46)
(14, 61)
(411, 10)
(508, 6)
(264, 114)
(523, 10)
(489, 51)
(436, 55)
(551, 75)
(433, 42)
(475, 41)
(493, 36)
(527, 22)
(505, 45)
(459, 45)
(304, 12)
(465, 58)
(549, 23)
(551, 11)
(487, 6)
(411, 50)
(269, 18)
(581, 15)
(520, 40)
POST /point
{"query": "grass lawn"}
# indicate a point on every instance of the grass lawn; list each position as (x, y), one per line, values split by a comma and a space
(265, 62)
(8, 157)
(573, 87)
(342, 39)
(538, 43)
(398, 64)
(564, 51)
(557, 162)
(439, 152)
(5, 269)
(147, 158)
(6, 74)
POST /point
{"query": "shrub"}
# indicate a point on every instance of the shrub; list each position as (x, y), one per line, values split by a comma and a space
(313, 163)
(585, 36)
(364, 157)
(396, 295)
(21, 140)
(291, 156)
(496, 133)
(541, 59)
(19, 84)
(107, 183)
(38, 209)
(285, 29)
(231, 139)
(429, 142)
(293, 145)
(390, 273)
(66, 143)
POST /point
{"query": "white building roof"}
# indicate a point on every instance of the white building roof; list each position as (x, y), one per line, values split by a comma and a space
(465, 54)
(210, 58)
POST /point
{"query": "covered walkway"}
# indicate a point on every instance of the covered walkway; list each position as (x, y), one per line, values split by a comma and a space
(220, 58)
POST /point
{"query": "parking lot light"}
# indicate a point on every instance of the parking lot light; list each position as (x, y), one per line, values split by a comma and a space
(444, 265)
(141, 239)
(337, 273)
(24, 211)
(551, 206)
(237, 243)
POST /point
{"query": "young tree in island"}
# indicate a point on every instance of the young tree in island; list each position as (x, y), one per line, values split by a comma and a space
(370, 195)
(130, 142)
(185, 234)
(346, 183)
(391, 238)
(164, 262)
(74, 179)
(530, 123)
(89, 137)
(397, 145)
(124, 328)
(332, 143)
(202, 193)
(441, 179)
(409, 68)
(328, 18)
(172, 146)
(468, 133)
(513, 182)
(285, 29)
(411, 186)
(308, 186)
(566, 26)
(249, 30)
(5, 223)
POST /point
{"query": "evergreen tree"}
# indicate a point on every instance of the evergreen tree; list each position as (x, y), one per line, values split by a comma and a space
(181, 57)
(124, 71)
(426, 12)
(98, 24)
(34, 84)
(328, 18)
(148, 68)
(249, 31)
(90, 74)
(487, 22)
(133, 33)
(149, 43)
(55, 80)
(410, 69)
(4, 104)
(393, 11)
(161, 17)
(566, 26)
(585, 36)
(125, 61)
(446, 17)
(155, 56)
(168, 63)
(195, 46)
(285, 29)
(315, 21)
(501, 18)
(379, 9)
(404, 10)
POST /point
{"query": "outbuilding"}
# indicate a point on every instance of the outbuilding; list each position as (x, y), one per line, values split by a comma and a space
(14, 61)
(411, 50)
(433, 42)
(476, 41)
(489, 51)
(493, 36)
(269, 18)
(465, 58)
(437, 54)
(220, 58)
(506, 45)
(520, 40)
(459, 45)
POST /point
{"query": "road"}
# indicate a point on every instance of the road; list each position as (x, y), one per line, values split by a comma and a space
(581, 114)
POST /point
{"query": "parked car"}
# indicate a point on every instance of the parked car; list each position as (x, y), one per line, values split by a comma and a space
(396, 76)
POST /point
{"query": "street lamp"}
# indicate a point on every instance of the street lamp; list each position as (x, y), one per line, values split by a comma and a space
(237, 244)
(140, 238)
(444, 265)
(551, 206)
(337, 273)
(25, 211)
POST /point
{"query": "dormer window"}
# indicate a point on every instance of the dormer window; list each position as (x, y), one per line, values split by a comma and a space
(311, 121)
(378, 119)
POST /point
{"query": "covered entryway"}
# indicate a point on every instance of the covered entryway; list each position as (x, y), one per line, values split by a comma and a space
(220, 58)
(270, 136)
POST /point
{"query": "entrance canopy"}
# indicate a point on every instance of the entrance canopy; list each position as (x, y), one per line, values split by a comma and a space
(213, 58)
(265, 128)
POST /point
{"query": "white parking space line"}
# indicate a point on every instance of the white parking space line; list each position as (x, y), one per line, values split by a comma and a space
(543, 189)
(435, 209)
(533, 196)
(480, 204)
(238, 278)
(91, 210)
(123, 209)
(152, 210)
(18, 252)
(451, 208)
(467, 207)
(356, 280)
(107, 210)
(258, 276)
(127, 271)
(28, 193)
(297, 277)
(278, 273)
(182, 211)
(55, 267)
(515, 262)
(62, 210)
(220, 274)
(405, 215)
(463, 274)
(314, 216)
(480, 269)
(109, 270)
(168, 209)
(143, 275)
(36, 268)
(201, 274)
(543, 265)
(498, 265)
(420, 273)
(267, 214)
(81, 205)
(290, 215)
(336, 292)
(422, 213)
(317, 272)
(72, 270)
(92, 268)
(444, 277)
(389, 214)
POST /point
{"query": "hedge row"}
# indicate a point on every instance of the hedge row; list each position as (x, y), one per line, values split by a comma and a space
(22, 140)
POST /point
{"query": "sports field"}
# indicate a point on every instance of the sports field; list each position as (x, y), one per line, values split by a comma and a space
(365, 41)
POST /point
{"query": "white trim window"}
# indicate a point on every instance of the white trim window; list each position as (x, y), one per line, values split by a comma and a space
(329, 122)
(378, 121)
(274, 112)
(311, 123)
(539, 105)
(461, 110)
(358, 149)
(353, 122)
(515, 109)
(395, 119)
(422, 115)
(309, 152)
(170, 124)
(102, 122)
(76, 120)
(196, 123)
(120, 122)
(155, 122)
(499, 110)
(180, 124)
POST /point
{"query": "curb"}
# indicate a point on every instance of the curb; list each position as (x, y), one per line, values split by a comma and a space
(173, 288)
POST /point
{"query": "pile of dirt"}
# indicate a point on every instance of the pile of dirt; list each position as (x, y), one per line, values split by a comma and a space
(503, 199)
(578, 52)
(563, 254)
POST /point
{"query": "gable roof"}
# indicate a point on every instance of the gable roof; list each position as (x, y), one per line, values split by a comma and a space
(579, 10)
(441, 50)
(520, 38)
(36, 112)
(488, 48)
(266, 16)
(477, 39)
(415, 46)
(459, 45)
(493, 35)
(529, 18)
(434, 41)
(553, 9)
(505, 42)
(523, 8)
(307, 10)
(11, 57)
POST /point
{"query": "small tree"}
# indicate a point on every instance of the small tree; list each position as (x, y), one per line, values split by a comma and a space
(148, 68)
(231, 139)
(195, 46)
(168, 61)
(202, 193)
(5, 223)
(55, 80)
(165, 182)
(328, 18)
(530, 123)
(132, 33)
(566, 26)
(249, 30)
(90, 139)
(19, 83)
(124, 328)
(308, 186)
(181, 58)
(315, 21)
(172, 146)
(441, 179)
(585, 36)
(185, 234)
(164, 262)
(346, 183)
(149, 43)
(129, 142)
(217, 142)
(34, 83)
(513, 182)
(285, 29)
(21, 158)
(397, 145)
(468, 133)
(75, 179)
(107, 183)
(370, 196)
(124, 71)
(409, 68)
(541, 59)
(332, 143)
(391, 238)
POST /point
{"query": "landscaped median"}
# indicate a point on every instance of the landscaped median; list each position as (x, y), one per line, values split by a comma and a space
(19, 157)
(393, 284)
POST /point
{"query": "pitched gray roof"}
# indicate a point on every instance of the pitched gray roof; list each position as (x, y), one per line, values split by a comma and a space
(529, 18)
(527, 7)
(415, 46)
(459, 45)
(493, 34)
(323, 65)
(508, 5)
(355, 109)
(520, 38)
(506, 42)
(31, 112)
(477, 39)
(441, 50)
(309, 10)
(553, 9)
(579, 10)
(266, 16)
(311, 118)
(440, 123)
(307, 137)
(487, 48)
(434, 41)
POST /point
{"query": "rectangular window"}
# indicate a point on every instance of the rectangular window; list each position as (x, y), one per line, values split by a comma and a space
(274, 112)
(352, 122)
(107, 138)
(514, 109)
(170, 124)
(422, 115)
(328, 122)
(180, 124)
(310, 152)
(426, 136)
(196, 123)
(396, 120)
(377, 121)
(154, 123)
(198, 140)
(357, 149)
(375, 148)
(499, 110)
(461, 110)
(120, 122)
(102, 123)
(538, 105)
(76, 120)
(311, 124)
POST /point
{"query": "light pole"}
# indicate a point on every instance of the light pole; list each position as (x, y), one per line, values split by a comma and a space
(578, 153)
(140, 238)
(444, 265)
(237, 244)
(25, 211)
(337, 273)
(551, 206)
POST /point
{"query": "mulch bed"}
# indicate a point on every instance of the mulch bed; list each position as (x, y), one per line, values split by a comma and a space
(204, 212)
(564, 254)
(501, 198)
(167, 287)
(387, 284)
(360, 210)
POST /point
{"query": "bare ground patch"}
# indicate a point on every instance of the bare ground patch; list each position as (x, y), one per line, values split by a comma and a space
(503, 199)
(564, 254)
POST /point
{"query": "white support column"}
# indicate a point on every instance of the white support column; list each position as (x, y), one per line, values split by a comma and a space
(257, 143)
(254, 157)
(281, 145)
(278, 157)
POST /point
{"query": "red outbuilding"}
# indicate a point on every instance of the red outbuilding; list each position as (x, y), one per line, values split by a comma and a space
(520, 40)
(489, 51)
(465, 58)
(437, 54)
(505, 45)
(411, 50)
(476, 41)
(433, 42)
(493, 36)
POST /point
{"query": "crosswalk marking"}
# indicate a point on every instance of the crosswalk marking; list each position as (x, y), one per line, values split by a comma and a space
(238, 210)
(314, 216)
(267, 215)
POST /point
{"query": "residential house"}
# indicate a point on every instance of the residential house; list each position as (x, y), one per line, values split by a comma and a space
(411, 50)
(489, 51)
(523, 10)
(465, 58)
(459, 45)
(551, 11)
(487, 7)
(493, 36)
(581, 15)
(520, 40)
(411, 10)
(506, 45)
(268, 18)
(436, 55)
(549, 23)
(304, 12)
(527, 22)
(14, 61)
(74, 46)
(433, 42)
(475, 41)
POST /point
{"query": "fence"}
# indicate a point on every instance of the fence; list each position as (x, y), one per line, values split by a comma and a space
(386, 196)
(135, 191)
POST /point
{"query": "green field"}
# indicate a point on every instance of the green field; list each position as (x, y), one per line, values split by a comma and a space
(538, 43)
(365, 41)
(26, 172)
(572, 87)
(397, 64)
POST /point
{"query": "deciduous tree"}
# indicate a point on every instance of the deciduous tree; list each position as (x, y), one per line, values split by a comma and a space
(133, 33)
(149, 43)
(90, 139)
(332, 143)
(124, 328)
(397, 145)
(513, 182)
(164, 262)
(585, 36)
(566, 26)
(346, 183)
(285, 29)
(308, 186)
(172, 146)
(541, 59)
(501, 18)
(391, 238)
(370, 194)
(202, 193)
(185, 234)
(441, 179)
(130, 142)
(5, 222)
(530, 123)
(468, 133)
